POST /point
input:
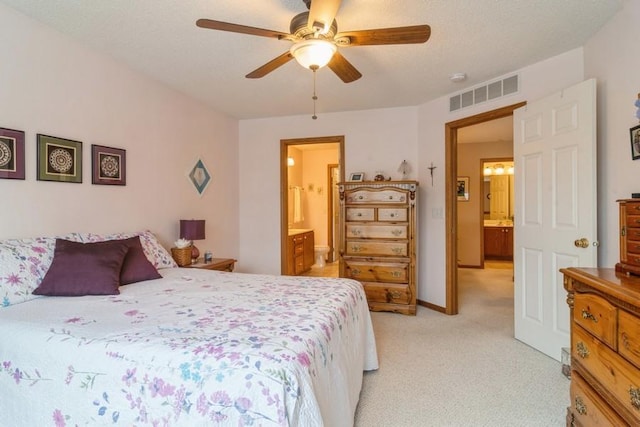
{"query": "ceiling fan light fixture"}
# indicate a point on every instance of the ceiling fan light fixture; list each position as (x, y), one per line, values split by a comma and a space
(313, 53)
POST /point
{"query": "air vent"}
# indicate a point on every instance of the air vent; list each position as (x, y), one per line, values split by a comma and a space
(485, 92)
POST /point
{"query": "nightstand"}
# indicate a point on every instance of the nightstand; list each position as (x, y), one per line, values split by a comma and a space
(220, 264)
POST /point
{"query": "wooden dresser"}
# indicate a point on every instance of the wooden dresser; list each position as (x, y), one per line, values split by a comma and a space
(629, 236)
(605, 347)
(378, 241)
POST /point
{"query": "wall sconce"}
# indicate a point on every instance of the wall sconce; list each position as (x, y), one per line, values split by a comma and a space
(499, 169)
(290, 161)
(192, 229)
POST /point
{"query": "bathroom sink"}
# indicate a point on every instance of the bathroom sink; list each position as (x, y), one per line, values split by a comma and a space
(498, 223)
(294, 231)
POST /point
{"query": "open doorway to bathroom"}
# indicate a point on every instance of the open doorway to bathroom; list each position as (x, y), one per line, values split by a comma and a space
(310, 171)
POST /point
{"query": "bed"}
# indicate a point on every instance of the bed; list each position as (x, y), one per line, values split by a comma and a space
(190, 348)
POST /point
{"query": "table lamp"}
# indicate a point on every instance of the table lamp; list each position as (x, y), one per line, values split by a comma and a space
(192, 229)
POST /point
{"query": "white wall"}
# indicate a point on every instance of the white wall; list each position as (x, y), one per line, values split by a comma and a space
(536, 81)
(53, 85)
(374, 140)
(611, 57)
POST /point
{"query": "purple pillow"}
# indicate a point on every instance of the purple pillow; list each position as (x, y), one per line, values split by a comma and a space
(136, 266)
(84, 269)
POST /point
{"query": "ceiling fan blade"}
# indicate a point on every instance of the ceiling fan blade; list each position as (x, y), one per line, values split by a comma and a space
(398, 35)
(270, 66)
(242, 29)
(322, 13)
(343, 68)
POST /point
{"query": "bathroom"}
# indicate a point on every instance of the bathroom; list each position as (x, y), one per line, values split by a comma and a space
(312, 209)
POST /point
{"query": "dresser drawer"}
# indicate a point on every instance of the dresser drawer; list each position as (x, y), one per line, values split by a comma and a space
(380, 196)
(377, 271)
(387, 214)
(375, 247)
(633, 234)
(633, 221)
(633, 246)
(633, 259)
(629, 337)
(588, 408)
(613, 373)
(362, 231)
(360, 214)
(598, 316)
(387, 292)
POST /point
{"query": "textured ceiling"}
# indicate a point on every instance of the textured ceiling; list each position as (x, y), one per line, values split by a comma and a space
(482, 38)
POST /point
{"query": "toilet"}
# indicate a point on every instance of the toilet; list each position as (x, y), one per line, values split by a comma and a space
(321, 252)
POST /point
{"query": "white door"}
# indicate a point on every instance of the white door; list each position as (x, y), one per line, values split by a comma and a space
(555, 177)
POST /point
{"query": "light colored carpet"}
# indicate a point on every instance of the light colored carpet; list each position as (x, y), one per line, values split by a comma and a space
(463, 370)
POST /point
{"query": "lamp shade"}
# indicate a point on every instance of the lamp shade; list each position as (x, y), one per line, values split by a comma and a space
(192, 229)
(313, 52)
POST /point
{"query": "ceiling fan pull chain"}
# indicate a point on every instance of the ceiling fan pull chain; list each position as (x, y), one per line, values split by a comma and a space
(314, 68)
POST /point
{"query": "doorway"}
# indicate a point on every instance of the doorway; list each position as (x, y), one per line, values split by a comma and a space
(451, 209)
(312, 191)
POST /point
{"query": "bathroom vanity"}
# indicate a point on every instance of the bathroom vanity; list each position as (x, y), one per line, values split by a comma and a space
(498, 240)
(300, 251)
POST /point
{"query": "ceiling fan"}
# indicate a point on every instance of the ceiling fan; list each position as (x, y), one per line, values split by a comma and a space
(316, 33)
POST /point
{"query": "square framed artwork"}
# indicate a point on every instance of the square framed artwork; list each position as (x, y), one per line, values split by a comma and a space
(357, 176)
(634, 133)
(199, 176)
(59, 159)
(108, 165)
(11, 154)
(462, 189)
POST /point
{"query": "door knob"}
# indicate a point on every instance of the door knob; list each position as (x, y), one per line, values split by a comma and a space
(582, 243)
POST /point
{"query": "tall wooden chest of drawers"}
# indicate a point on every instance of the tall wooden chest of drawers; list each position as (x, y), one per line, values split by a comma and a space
(629, 236)
(378, 241)
(605, 347)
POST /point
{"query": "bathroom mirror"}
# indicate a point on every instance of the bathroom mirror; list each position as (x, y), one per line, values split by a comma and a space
(498, 190)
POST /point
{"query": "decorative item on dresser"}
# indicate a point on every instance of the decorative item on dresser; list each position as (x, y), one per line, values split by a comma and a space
(605, 347)
(629, 236)
(378, 241)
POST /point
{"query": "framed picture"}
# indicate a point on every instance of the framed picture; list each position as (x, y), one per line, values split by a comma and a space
(108, 165)
(357, 176)
(462, 188)
(635, 142)
(199, 176)
(11, 154)
(59, 159)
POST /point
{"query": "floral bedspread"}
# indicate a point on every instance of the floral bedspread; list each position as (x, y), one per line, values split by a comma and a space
(195, 348)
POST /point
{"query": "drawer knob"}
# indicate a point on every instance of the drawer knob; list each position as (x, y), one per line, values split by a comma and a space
(392, 215)
(355, 272)
(396, 232)
(396, 251)
(586, 314)
(581, 408)
(582, 350)
(359, 214)
(395, 274)
(356, 248)
(634, 394)
(360, 197)
(395, 294)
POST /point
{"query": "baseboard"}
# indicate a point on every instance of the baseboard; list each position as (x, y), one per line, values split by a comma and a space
(469, 266)
(431, 306)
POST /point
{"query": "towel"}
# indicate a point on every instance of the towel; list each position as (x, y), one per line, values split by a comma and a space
(297, 205)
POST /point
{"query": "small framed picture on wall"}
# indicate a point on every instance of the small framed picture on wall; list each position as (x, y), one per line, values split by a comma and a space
(11, 154)
(462, 189)
(635, 142)
(59, 159)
